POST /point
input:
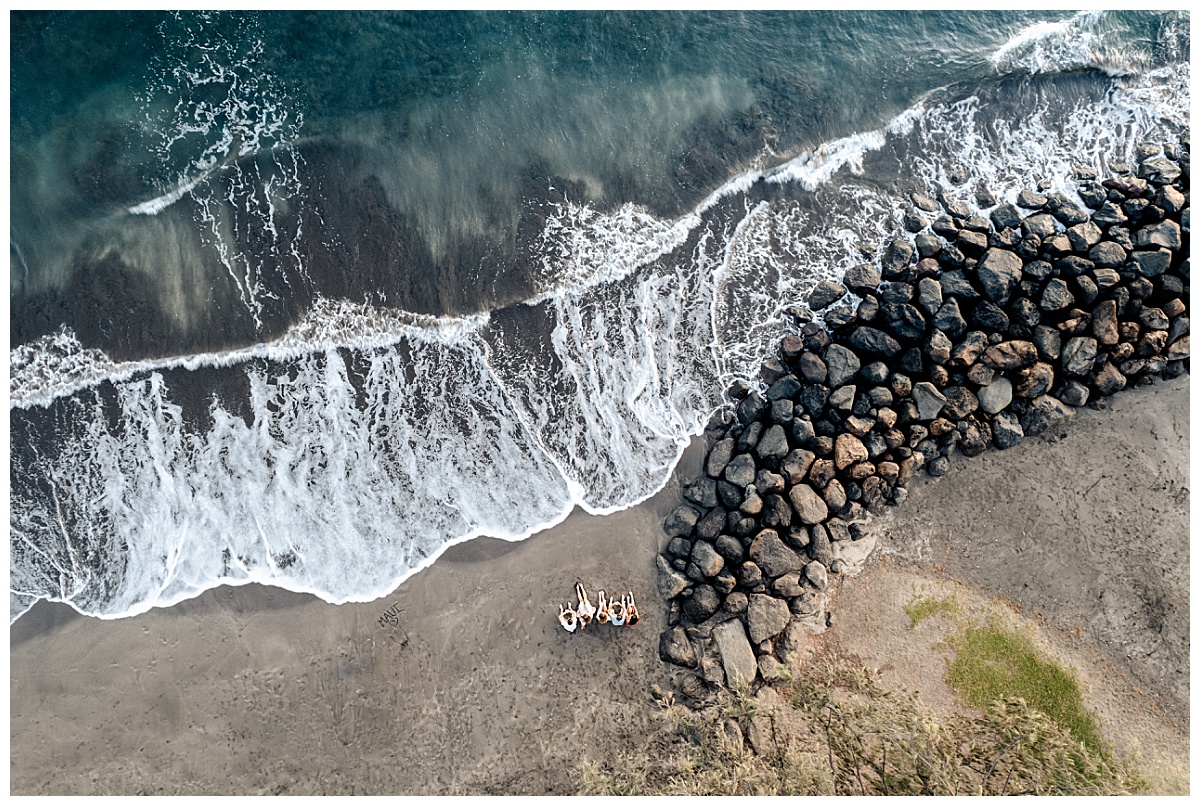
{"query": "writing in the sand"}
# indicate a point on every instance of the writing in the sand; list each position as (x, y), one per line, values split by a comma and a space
(390, 617)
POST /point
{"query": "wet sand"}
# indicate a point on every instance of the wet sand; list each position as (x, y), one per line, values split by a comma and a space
(476, 689)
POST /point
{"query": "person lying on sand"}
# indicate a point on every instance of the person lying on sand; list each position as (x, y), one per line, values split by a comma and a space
(616, 612)
(619, 613)
(631, 613)
(567, 618)
(602, 615)
(585, 609)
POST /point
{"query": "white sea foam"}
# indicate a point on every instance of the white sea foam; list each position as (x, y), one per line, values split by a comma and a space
(1080, 42)
(159, 203)
(57, 365)
(816, 167)
(351, 473)
(1004, 154)
(227, 107)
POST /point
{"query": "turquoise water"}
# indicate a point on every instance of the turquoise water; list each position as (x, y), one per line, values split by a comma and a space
(304, 298)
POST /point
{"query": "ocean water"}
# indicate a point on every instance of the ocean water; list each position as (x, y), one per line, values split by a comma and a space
(302, 299)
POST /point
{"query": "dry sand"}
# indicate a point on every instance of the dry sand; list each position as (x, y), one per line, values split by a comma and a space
(254, 690)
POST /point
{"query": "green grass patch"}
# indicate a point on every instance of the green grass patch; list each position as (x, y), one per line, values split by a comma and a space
(994, 663)
(922, 607)
(837, 731)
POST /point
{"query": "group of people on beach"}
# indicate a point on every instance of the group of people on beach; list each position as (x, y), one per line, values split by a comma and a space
(619, 613)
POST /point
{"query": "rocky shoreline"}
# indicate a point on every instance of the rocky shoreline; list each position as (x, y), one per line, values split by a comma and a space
(976, 333)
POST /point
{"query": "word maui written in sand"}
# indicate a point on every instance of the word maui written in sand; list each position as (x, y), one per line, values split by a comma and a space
(391, 616)
(617, 612)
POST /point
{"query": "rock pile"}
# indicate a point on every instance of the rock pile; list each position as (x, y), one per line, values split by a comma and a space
(979, 332)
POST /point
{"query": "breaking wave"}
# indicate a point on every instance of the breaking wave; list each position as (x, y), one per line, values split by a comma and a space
(346, 455)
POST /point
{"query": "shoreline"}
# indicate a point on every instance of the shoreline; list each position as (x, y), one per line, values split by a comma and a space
(477, 638)
(577, 510)
(478, 690)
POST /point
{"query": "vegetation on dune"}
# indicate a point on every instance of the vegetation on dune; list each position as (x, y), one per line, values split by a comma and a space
(992, 662)
(835, 730)
(922, 607)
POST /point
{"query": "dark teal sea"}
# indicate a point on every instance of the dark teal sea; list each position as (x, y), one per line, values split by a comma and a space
(303, 297)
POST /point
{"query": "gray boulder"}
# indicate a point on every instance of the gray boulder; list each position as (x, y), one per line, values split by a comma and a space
(968, 351)
(929, 295)
(736, 602)
(898, 255)
(796, 464)
(1108, 215)
(1084, 236)
(1107, 255)
(949, 319)
(1159, 169)
(773, 556)
(702, 492)
(703, 602)
(998, 271)
(960, 402)
(955, 284)
(996, 396)
(1109, 380)
(671, 583)
(1152, 264)
(719, 456)
(816, 573)
(751, 408)
(1078, 356)
(674, 647)
(792, 642)
(1006, 430)
(820, 548)
(1105, 325)
(1030, 200)
(766, 617)
(771, 671)
(812, 368)
(904, 320)
(825, 294)
(737, 656)
(707, 559)
(871, 340)
(730, 549)
(1075, 393)
(785, 387)
(788, 586)
(708, 527)
(1165, 234)
(841, 365)
(774, 444)
(938, 347)
(1048, 341)
(843, 398)
(928, 399)
(1056, 296)
(1041, 225)
(681, 521)
(776, 512)
(1005, 216)
(862, 279)
(809, 507)
(740, 470)
(1044, 413)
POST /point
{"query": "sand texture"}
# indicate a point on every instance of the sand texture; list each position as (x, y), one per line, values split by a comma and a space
(478, 690)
